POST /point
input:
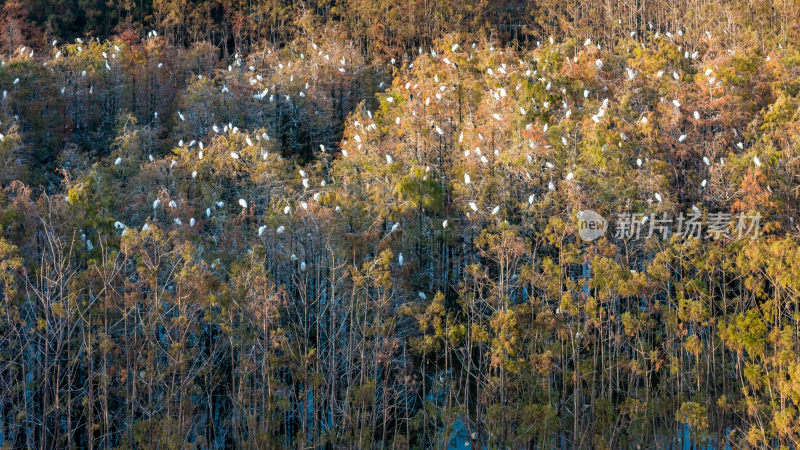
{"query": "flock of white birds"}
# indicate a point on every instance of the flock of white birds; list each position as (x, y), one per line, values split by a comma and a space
(408, 100)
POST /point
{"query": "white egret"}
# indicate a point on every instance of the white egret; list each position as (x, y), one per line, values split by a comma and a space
(243, 203)
(496, 210)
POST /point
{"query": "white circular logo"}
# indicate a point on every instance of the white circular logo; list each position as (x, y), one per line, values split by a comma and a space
(591, 225)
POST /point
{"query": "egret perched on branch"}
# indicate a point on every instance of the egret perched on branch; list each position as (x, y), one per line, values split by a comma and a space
(280, 229)
(243, 203)
(496, 210)
(466, 178)
(757, 161)
(658, 197)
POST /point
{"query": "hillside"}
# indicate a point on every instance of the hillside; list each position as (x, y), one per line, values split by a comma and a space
(320, 236)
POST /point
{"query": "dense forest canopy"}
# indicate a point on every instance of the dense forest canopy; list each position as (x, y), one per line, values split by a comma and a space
(361, 224)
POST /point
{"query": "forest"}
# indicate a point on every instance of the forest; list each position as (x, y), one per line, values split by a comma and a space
(400, 224)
